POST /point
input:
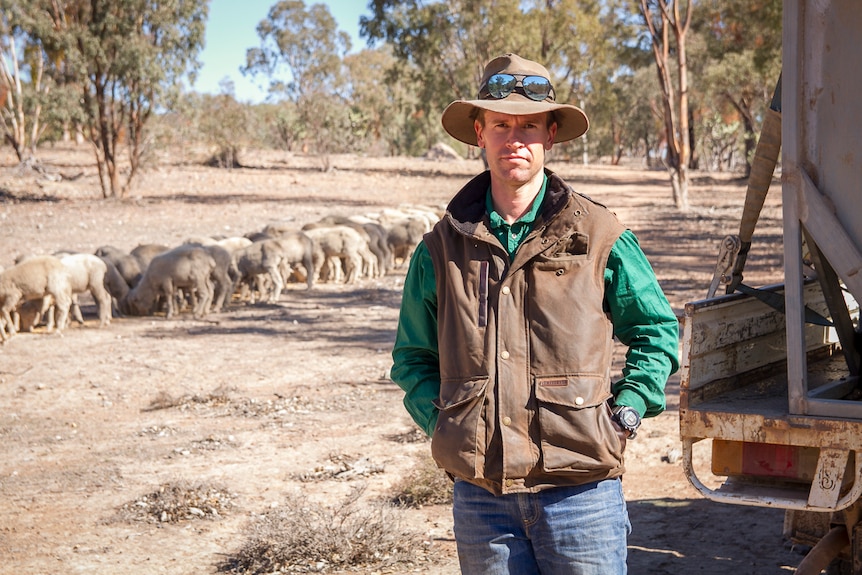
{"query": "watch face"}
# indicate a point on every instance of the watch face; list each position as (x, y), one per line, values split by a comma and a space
(629, 417)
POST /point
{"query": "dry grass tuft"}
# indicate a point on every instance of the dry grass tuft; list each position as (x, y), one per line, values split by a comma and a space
(426, 484)
(178, 501)
(301, 537)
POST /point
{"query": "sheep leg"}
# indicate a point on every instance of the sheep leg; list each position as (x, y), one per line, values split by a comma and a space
(76, 310)
(62, 304)
(47, 311)
(104, 302)
(278, 284)
(9, 325)
(168, 290)
(204, 292)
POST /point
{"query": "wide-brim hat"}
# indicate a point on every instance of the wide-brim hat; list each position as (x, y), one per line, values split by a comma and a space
(458, 116)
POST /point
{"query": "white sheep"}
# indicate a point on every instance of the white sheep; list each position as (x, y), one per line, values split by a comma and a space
(234, 243)
(42, 278)
(334, 244)
(274, 259)
(375, 236)
(185, 267)
(224, 275)
(88, 273)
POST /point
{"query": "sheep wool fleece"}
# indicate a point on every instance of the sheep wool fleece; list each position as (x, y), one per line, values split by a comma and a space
(525, 377)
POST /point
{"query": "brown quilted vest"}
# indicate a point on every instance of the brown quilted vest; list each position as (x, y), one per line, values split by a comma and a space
(525, 345)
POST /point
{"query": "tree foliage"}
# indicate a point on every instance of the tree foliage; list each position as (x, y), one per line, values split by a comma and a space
(676, 80)
(124, 57)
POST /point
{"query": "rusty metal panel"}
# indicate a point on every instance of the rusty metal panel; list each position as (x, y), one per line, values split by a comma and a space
(728, 336)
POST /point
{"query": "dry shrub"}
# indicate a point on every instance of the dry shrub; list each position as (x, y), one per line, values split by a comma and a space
(177, 501)
(302, 537)
(426, 484)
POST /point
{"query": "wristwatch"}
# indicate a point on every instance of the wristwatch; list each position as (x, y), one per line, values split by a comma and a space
(628, 418)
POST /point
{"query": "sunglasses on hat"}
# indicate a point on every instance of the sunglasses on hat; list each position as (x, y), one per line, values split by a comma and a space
(499, 86)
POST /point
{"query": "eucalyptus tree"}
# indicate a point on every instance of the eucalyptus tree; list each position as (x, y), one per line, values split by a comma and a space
(35, 104)
(125, 57)
(21, 90)
(589, 45)
(442, 47)
(302, 53)
(585, 44)
(739, 57)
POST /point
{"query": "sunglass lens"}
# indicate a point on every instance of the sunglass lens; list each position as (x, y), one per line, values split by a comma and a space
(536, 87)
(501, 85)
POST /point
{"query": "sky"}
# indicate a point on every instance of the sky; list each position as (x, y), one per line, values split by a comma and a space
(230, 31)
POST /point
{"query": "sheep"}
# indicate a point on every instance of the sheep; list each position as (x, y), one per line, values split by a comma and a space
(224, 275)
(234, 243)
(116, 285)
(335, 243)
(41, 278)
(374, 234)
(145, 253)
(188, 267)
(87, 272)
(403, 237)
(128, 266)
(279, 229)
(274, 258)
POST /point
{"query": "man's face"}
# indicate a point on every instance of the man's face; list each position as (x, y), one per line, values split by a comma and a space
(515, 145)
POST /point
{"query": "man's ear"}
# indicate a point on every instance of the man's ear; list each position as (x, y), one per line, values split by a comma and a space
(552, 133)
(477, 126)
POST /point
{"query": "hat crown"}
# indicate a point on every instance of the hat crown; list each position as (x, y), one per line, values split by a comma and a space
(512, 64)
(459, 116)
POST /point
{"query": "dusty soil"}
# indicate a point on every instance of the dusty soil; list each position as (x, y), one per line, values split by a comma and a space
(266, 400)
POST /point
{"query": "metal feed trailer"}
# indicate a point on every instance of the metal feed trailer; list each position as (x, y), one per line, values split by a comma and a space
(770, 375)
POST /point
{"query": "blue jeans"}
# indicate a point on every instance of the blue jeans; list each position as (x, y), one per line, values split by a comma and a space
(579, 530)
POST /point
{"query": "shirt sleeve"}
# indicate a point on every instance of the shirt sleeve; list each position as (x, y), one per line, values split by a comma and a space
(644, 321)
(415, 355)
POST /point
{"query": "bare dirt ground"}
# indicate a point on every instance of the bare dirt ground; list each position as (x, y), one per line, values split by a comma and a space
(292, 399)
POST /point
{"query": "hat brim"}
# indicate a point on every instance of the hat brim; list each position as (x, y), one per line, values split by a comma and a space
(458, 116)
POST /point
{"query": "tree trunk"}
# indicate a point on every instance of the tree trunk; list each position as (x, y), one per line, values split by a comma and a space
(675, 109)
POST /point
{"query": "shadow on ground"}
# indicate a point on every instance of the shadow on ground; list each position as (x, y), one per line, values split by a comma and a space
(723, 534)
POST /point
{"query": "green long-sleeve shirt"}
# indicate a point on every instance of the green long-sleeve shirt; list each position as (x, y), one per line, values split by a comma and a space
(642, 318)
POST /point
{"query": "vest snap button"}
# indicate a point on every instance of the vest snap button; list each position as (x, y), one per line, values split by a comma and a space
(579, 401)
(504, 354)
(507, 421)
(505, 290)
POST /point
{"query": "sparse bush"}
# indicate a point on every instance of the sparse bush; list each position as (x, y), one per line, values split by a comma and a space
(301, 537)
(426, 484)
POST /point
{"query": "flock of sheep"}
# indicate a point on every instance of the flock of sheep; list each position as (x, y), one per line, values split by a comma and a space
(206, 273)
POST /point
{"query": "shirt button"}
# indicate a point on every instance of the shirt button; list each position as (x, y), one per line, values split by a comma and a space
(505, 290)
(579, 401)
(507, 421)
(504, 354)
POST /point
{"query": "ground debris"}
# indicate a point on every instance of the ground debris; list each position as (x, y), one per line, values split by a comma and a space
(178, 501)
(342, 467)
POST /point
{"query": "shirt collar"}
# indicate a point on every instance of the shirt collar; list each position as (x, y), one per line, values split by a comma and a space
(497, 220)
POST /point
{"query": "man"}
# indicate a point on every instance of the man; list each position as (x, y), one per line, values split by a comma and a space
(505, 343)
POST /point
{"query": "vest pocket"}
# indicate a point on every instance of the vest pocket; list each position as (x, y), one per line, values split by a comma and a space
(460, 431)
(575, 428)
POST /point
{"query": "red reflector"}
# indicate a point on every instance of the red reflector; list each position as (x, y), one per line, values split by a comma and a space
(764, 460)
